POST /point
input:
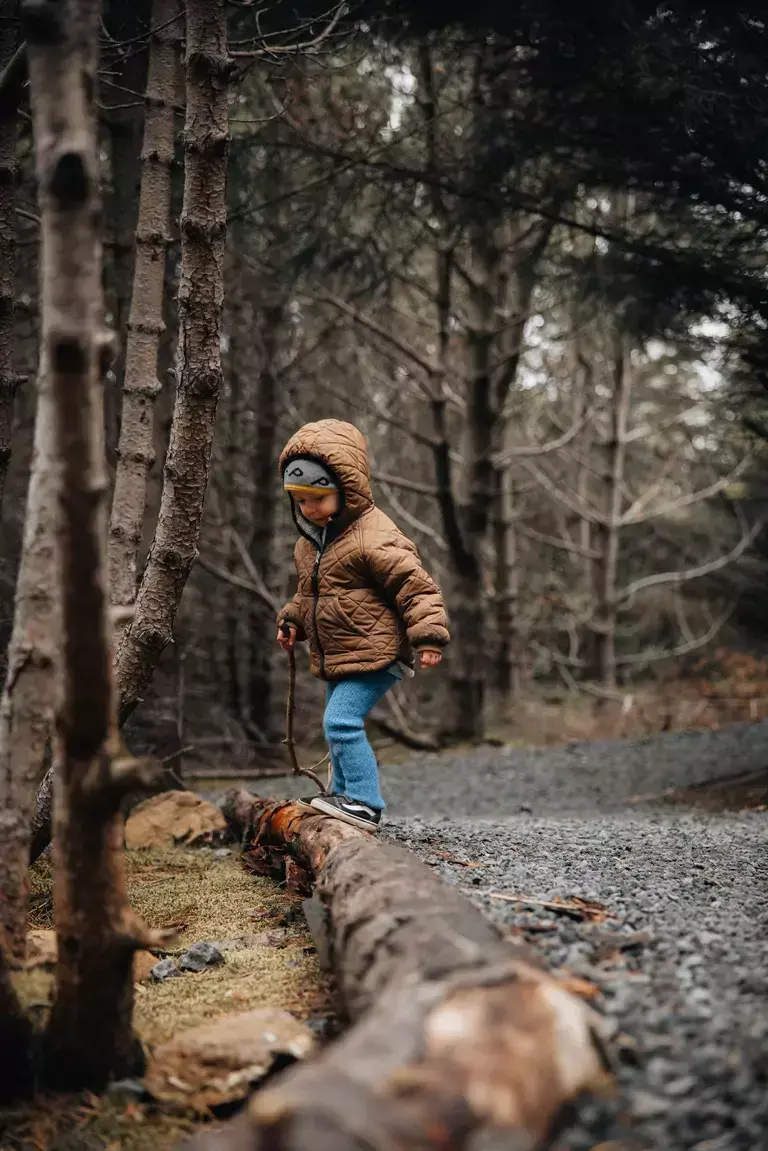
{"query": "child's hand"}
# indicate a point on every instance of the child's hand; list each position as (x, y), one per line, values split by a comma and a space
(430, 657)
(286, 641)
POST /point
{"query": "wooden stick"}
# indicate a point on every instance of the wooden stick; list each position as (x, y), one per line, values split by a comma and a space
(290, 707)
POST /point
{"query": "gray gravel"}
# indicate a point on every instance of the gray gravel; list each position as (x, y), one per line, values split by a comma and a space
(681, 959)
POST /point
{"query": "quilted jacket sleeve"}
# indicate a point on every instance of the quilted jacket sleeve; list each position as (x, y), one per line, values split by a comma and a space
(290, 614)
(397, 570)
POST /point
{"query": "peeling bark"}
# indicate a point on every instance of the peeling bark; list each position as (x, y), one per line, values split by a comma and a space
(198, 361)
(455, 1032)
(8, 166)
(145, 323)
(89, 1036)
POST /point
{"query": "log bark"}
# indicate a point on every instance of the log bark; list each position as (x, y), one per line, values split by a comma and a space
(198, 360)
(89, 1036)
(8, 167)
(135, 453)
(456, 1031)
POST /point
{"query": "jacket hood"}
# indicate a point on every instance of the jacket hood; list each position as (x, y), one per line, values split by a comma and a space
(341, 448)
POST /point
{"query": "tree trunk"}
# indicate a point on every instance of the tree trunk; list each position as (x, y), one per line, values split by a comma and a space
(264, 517)
(607, 571)
(8, 166)
(455, 1031)
(27, 705)
(198, 361)
(124, 73)
(514, 304)
(29, 699)
(145, 324)
(89, 1035)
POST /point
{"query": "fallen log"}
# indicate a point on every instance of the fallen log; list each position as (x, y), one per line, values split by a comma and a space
(455, 1031)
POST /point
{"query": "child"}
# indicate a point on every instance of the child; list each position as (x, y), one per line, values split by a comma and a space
(364, 603)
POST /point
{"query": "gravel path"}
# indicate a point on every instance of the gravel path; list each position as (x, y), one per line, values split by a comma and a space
(679, 962)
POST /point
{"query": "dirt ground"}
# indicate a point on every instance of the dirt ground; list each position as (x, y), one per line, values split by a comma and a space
(206, 895)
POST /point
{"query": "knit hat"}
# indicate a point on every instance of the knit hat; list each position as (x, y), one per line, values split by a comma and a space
(308, 478)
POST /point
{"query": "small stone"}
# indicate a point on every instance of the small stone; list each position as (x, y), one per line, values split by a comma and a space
(165, 969)
(222, 852)
(199, 956)
(682, 1086)
(647, 1106)
(127, 1089)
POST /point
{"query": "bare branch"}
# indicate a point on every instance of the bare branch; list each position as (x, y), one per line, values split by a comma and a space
(684, 648)
(510, 454)
(572, 503)
(560, 544)
(429, 367)
(235, 581)
(694, 497)
(406, 485)
(679, 577)
(300, 46)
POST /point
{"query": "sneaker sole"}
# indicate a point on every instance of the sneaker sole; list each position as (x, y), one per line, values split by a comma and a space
(364, 824)
(303, 803)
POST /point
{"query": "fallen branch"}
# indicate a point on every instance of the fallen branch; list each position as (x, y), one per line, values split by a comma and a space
(455, 1030)
(404, 735)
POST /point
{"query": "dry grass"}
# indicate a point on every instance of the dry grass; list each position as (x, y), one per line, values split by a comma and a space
(205, 898)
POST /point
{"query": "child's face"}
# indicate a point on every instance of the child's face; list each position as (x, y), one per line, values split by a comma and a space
(318, 509)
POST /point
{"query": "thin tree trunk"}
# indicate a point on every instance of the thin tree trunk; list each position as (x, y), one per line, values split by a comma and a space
(145, 324)
(8, 167)
(264, 518)
(31, 689)
(467, 676)
(198, 362)
(514, 302)
(605, 618)
(126, 73)
(89, 1035)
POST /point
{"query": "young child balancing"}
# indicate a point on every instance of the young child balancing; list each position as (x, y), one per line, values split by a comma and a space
(364, 603)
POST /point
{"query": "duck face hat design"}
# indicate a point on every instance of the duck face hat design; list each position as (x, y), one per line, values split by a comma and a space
(308, 478)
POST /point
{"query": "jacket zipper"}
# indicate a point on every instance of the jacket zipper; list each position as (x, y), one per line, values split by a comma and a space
(316, 600)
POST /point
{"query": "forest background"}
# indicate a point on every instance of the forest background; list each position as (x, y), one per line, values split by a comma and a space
(526, 256)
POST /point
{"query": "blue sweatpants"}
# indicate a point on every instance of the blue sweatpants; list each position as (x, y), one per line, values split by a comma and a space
(347, 703)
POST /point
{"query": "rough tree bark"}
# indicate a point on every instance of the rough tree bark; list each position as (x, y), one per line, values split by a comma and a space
(135, 453)
(29, 698)
(198, 361)
(89, 1036)
(123, 76)
(8, 166)
(27, 705)
(455, 1030)
(609, 528)
(264, 517)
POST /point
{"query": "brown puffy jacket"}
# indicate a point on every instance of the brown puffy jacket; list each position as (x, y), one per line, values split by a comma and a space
(364, 601)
